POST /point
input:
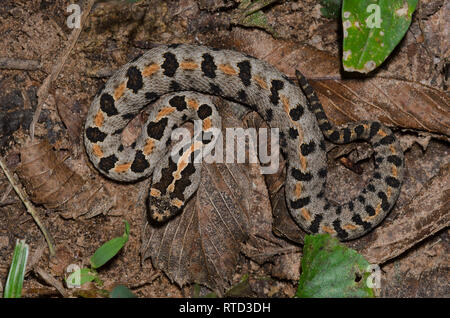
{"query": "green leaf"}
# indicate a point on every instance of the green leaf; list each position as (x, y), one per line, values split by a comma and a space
(330, 269)
(250, 14)
(256, 19)
(372, 29)
(121, 291)
(14, 282)
(241, 289)
(108, 250)
(82, 276)
(197, 293)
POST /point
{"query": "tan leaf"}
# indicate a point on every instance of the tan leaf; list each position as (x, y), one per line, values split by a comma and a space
(202, 245)
(46, 178)
(69, 112)
(393, 101)
(50, 182)
(414, 224)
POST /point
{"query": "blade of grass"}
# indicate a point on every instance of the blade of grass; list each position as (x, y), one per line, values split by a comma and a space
(14, 282)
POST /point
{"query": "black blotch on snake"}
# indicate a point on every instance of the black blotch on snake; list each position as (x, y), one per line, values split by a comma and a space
(134, 82)
(95, 135)
(107, 105)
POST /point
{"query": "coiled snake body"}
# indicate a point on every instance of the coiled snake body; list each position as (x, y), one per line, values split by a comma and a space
(177, 77)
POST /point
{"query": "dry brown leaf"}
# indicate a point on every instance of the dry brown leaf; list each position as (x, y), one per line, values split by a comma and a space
(422, 139)
(263, 246)
(46, 178)
(283, 224)
(202, 245)
(393, 101)
(49, 279)
(69, 112)
(421, 272)
(48, 181)
(413, 226)
(284, 55)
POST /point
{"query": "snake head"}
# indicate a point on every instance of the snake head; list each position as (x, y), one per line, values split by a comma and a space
(163, 208)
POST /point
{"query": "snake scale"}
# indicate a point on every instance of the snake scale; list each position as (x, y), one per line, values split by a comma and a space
(180, 80)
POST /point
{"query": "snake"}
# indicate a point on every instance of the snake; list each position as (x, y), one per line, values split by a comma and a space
(179, 81)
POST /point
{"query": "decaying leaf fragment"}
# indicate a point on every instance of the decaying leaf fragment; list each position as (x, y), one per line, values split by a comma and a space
(51, 183)
(46, 177)
(426, 214)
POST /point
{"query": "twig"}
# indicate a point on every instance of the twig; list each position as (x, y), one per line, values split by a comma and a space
(56, 69)
(7, 63)
(102, 73)
(7, 191)
(49, 279)
(146, 282)
(40, 292)
(277, 251)
(6, 203)
(28, 205)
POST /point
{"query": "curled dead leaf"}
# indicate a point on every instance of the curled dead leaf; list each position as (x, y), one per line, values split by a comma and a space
(46, 178)
(51, 183)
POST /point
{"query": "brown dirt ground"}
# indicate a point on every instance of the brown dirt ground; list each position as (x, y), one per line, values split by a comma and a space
(116, 32)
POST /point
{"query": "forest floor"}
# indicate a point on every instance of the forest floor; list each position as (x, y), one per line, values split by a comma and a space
(49, 98)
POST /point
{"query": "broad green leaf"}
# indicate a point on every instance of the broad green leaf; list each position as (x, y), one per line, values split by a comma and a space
(108, 250)
(121, 291)
(330, 269)
(372, 29)
(14, 282)
(82, 276)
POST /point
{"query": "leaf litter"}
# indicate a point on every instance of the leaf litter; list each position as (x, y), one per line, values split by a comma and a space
(412, 69)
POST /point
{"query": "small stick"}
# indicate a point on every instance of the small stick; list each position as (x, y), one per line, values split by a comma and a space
(49, 279)
(6, 203)
(102, 73)
(56, 69)
(7, 63)
(6, 193)
(28, 205)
